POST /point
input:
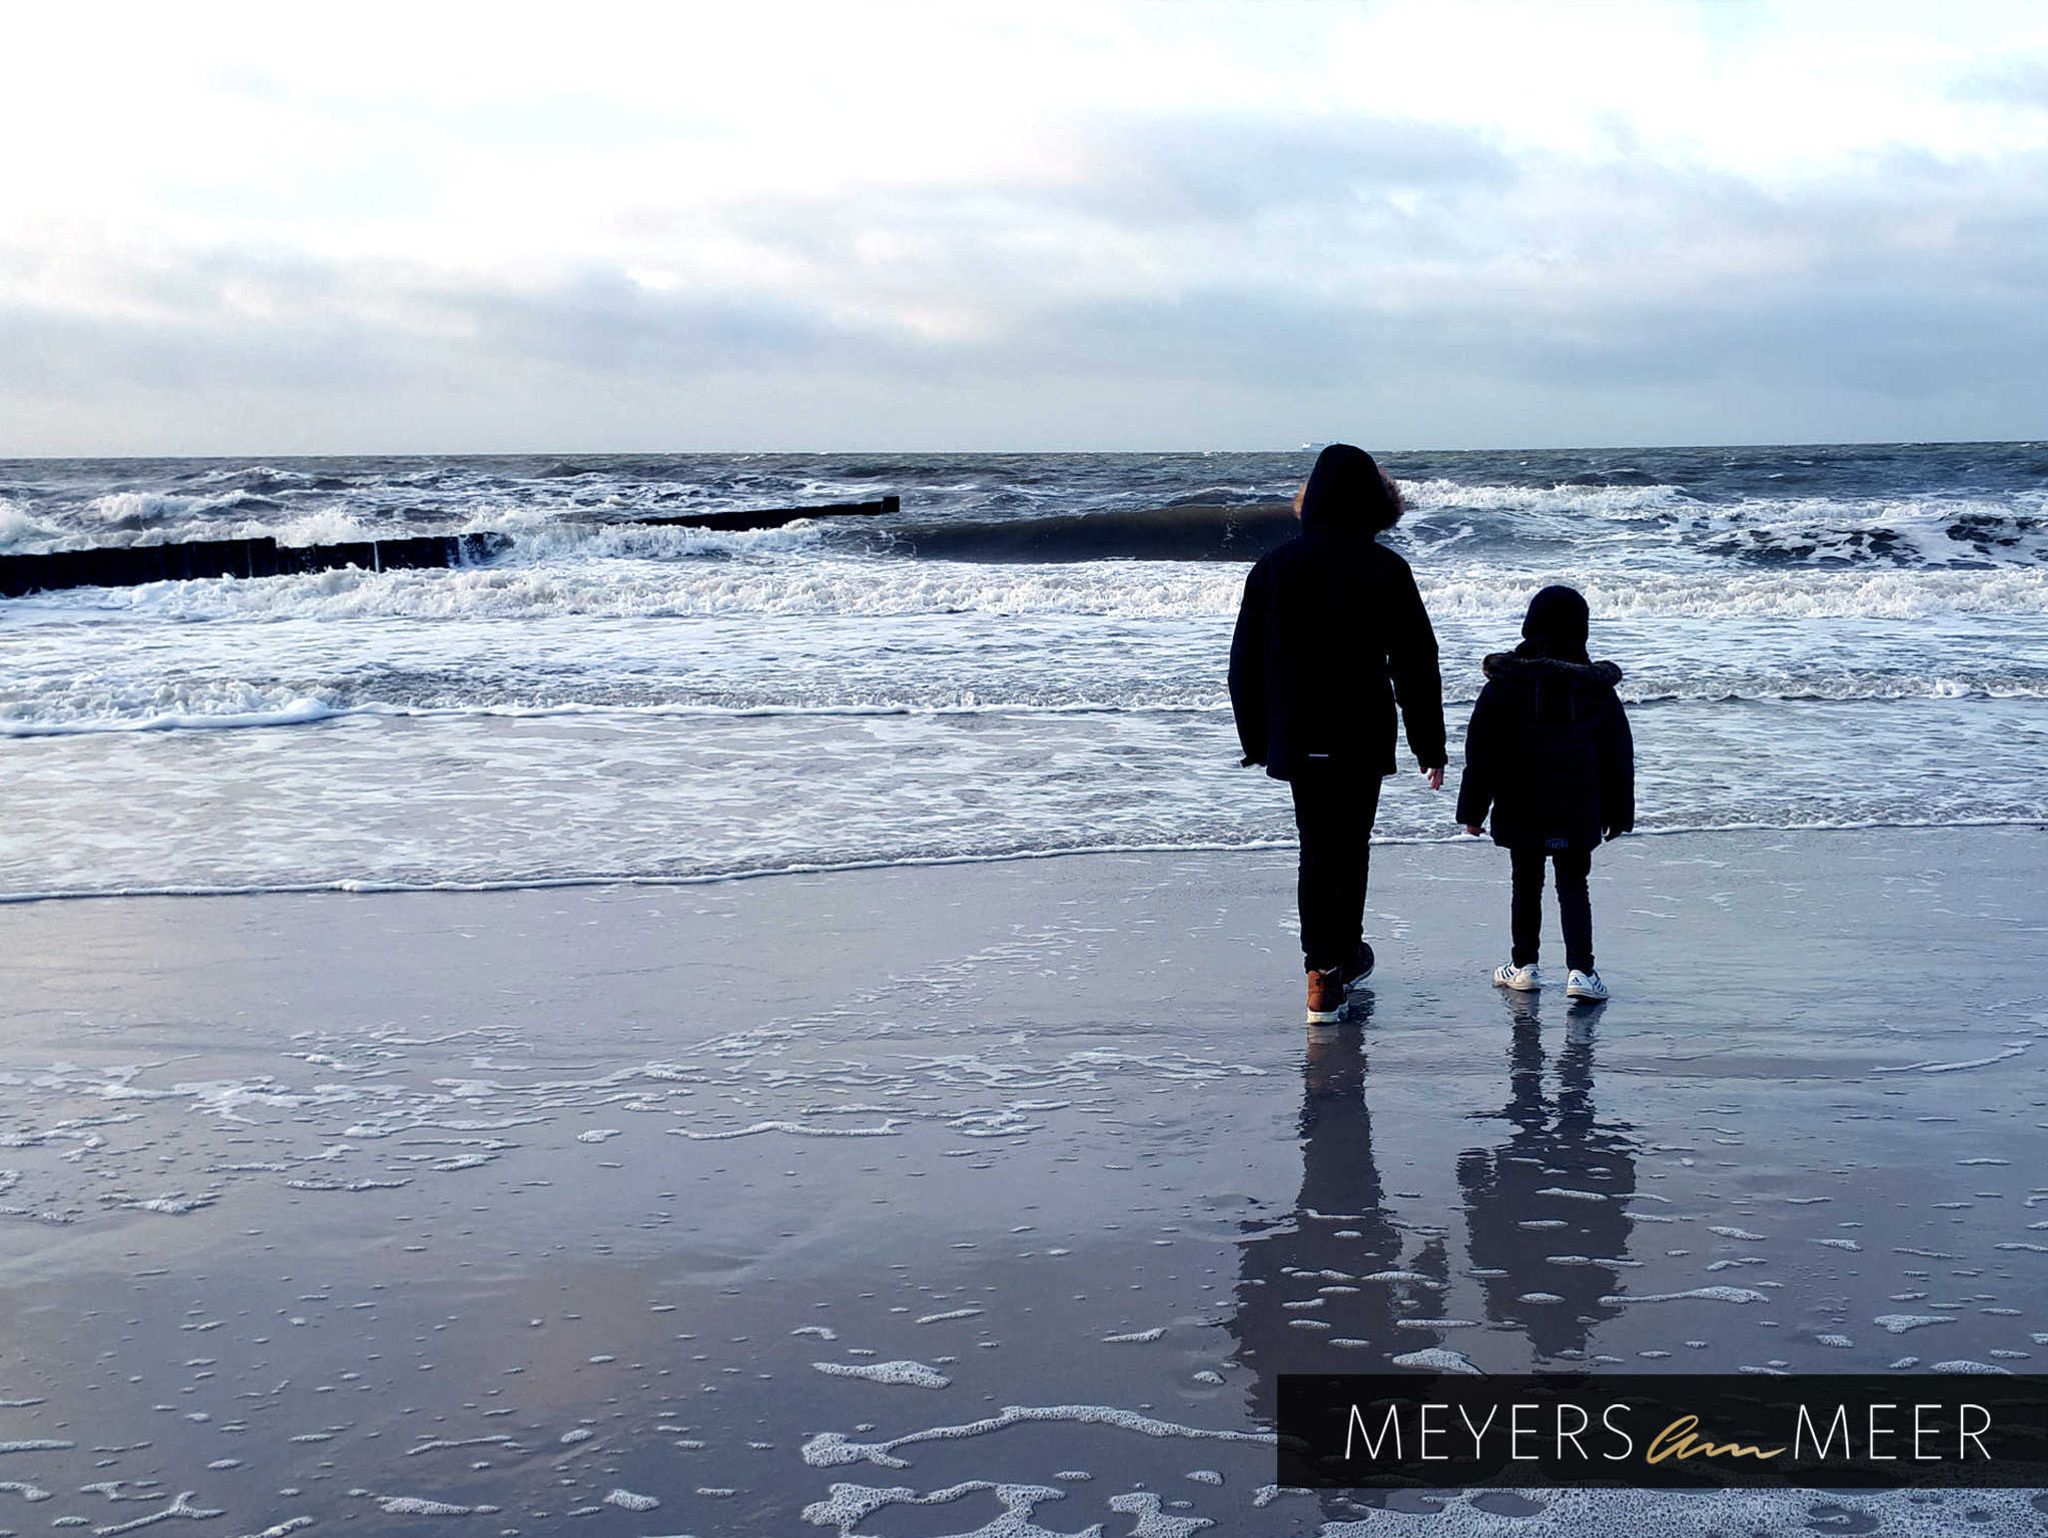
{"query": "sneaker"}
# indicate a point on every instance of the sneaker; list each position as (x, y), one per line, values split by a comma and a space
(1325, 996)
(1584, 985)
(1360, 968)
(1521, 979)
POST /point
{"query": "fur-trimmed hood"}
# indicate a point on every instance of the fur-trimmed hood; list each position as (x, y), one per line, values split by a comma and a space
(1506, 664)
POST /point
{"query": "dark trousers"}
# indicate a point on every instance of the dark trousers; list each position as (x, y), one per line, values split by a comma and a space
(1334, 808)
(1574, 905)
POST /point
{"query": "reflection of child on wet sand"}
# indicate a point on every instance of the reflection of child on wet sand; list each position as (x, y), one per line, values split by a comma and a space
(1546, 1210)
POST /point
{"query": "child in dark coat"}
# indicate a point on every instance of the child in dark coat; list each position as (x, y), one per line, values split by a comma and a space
(1549, 754)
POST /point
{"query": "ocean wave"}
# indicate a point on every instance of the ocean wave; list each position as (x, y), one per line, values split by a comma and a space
(629, 580)
(46, 719)
(21, 531)
(66, 709)
(1182, 532)
(1884, 595)
(1612, 518)
(1571, 498)
(150, 517)
(1904, 531)
(305, 711)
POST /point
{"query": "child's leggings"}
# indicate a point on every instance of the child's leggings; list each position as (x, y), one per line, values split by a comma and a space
(1574, 906)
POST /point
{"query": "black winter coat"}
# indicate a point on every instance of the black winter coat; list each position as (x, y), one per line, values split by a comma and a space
(1330, 634)
(1549, 752)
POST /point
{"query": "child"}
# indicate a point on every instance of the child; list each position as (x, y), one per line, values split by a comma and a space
(1549, 752)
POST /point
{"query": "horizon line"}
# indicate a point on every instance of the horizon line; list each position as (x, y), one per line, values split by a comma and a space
(986, 452)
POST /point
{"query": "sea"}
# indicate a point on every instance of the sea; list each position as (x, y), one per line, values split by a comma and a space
(1027, 659)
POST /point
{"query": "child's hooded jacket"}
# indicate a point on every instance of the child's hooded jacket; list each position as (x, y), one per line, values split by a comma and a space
(1548, 752)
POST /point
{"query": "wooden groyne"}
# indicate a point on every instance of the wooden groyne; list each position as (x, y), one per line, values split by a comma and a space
(262, 556)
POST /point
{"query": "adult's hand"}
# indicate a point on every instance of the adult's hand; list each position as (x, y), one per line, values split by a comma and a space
(1435, 777)
(1474, 829)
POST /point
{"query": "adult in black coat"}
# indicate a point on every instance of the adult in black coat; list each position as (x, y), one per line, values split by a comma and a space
(1330, 636)
(1549, 755)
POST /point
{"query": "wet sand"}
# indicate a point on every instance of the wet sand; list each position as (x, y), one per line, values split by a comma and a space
(892, 1202)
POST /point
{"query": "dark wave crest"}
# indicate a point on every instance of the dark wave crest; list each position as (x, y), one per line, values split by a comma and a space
(1197, 532)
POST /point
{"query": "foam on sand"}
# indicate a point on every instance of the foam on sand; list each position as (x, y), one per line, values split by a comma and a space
(1438, 1359)
(421, 1506)
(907, 1374)
(828, 1449)
(1899, 1324)
(794, 1128)
(182, 1505)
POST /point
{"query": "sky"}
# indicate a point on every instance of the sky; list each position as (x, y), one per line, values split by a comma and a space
(428, 227)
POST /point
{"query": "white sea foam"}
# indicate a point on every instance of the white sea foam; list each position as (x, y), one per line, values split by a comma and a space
(1576, 502)
(227, 705)
(2009, 1051)
(848, 1506)
(901, 1374)
(184, 1504)
(794, 1128)
(1437, 1359)
(1568, 1513)
(1899, 1324)
(1701, 1294)
(535, 582)
(829, 1449)
(421, 1506)
(21, 532)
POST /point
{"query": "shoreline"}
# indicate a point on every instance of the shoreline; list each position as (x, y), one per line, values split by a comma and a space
(366, 887)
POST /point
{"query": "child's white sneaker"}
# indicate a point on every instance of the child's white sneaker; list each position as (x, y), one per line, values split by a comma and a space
(1585, 985)
(1521, 979)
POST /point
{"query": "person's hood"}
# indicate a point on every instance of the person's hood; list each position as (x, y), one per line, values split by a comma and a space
(1346, 492)
(1511, 664)
(1557, 625)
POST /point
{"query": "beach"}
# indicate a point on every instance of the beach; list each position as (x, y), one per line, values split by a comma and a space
(692, 699)
(894, 1201)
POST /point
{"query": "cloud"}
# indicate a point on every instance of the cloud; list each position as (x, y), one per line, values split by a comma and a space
(1213, 168)
(2019, 82)
(1168, 226)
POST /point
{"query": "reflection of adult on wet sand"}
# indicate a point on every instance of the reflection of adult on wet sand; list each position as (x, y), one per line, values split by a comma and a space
(1546, 1210)
(1320, 1290)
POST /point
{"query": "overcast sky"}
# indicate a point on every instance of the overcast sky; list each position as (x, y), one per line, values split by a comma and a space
(579, 227)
